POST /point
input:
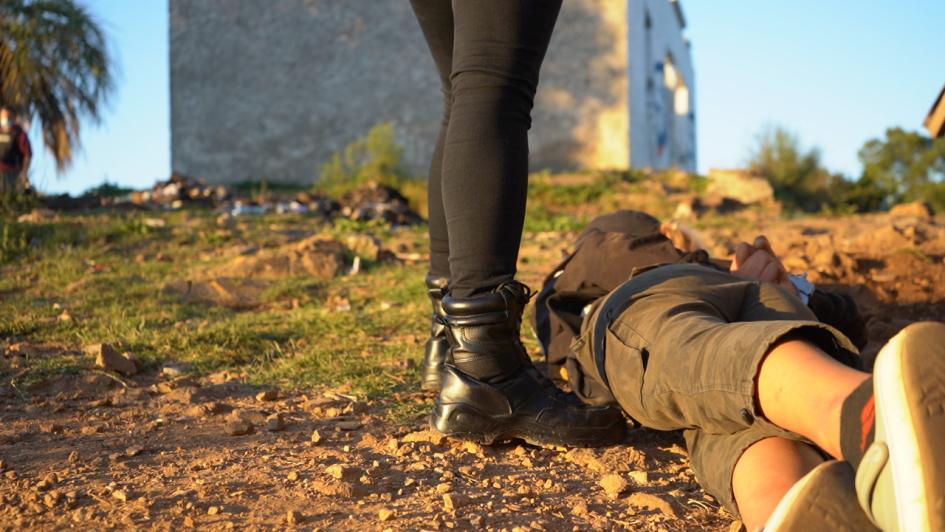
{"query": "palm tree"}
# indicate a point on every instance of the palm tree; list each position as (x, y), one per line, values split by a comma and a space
(54, 67)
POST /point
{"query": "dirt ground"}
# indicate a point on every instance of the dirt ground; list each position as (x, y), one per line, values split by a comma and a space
(96, 451)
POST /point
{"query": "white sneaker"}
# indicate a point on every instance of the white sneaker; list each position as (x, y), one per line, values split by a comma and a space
(901, 479)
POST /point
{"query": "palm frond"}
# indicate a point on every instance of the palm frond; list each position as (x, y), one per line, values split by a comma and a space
(54, 66)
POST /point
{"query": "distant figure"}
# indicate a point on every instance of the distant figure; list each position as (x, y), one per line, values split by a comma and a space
(15, 154)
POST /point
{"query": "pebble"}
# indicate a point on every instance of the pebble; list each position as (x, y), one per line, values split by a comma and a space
(385, 514)
(108, 358)
(238, 427)
(444, 487)
(134, 450)
(275, 423)
(652, 502)
(431, 436)
(213, 510)
(453, 501)
(268, 395)
(342, 472)
(579, 509)
(613, 484)
(640, 477)
(294, 517)
(121, 495)
(317, 437)
(349, 425)
(292, 476)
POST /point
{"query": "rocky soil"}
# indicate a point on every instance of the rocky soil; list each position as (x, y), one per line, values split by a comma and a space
(165, 450)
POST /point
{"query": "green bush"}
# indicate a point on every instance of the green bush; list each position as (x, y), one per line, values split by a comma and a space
(375, 157)
(797, 176)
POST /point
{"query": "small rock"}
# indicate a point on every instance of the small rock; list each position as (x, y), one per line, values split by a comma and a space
(613, 484)
(385, 514)
(317, 437)
(268, 395)
(73, 457)
(51, 499)
(134, 450)
(50, 428)
(185, 395)
(349, 425)
(275, 423)
(444, 487)
(11, 474)
(174, 369)
(342, 472)
(107, 358)
(213, 510)
(454, 501)
(431, 436)
(292, 476)
(295, 517)
(579, 509)
(640, 477)
(238, 427)
(652, 502)
(121, 495)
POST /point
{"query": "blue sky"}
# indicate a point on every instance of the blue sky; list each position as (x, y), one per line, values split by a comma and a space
(837, 72)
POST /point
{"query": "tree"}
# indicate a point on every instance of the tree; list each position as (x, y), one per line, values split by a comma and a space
(905, 166)
(797, 176)
(55, 67)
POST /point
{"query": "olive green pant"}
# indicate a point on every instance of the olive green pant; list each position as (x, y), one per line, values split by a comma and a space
(685, 354)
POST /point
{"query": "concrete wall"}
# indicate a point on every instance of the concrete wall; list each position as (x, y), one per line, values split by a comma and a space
(263, 89)
(662, 87)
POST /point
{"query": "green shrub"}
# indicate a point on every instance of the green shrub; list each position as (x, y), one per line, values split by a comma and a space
(375, 157)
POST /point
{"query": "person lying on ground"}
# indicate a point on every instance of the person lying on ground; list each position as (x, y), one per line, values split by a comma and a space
(777, 414)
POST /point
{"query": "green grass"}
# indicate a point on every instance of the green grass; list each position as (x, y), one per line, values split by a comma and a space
(109, 271)
(114, 272)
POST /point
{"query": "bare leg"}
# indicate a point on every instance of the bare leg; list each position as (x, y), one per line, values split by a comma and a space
(801, 388)
(765, 472)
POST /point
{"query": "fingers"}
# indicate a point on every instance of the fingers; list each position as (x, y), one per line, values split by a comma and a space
(742, 251)
(761, 242)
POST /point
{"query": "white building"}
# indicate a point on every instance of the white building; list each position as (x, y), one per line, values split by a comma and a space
(272, 93)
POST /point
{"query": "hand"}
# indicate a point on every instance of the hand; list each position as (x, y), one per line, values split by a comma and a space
(758, 262)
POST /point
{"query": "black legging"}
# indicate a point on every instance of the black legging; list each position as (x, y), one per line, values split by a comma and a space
(488, 54)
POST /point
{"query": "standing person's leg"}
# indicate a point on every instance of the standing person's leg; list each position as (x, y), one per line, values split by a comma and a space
(490, 388)
(498, 50)
(436, 22)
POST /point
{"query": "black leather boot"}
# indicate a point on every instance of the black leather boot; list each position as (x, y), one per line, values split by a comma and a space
(437, 345)
(491, 391)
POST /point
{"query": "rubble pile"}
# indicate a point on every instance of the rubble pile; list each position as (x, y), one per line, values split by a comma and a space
(369, 202)
(374, 201)
(181, 189)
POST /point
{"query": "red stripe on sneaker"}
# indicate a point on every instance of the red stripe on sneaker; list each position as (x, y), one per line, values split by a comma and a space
(867, 418)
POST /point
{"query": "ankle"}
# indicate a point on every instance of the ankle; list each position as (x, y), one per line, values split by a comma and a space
(857, 427)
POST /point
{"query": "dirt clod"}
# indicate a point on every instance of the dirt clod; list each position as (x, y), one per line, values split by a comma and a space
(613, 484)
(294, 517)
(108, 358)
(275, 423)
(238, 427)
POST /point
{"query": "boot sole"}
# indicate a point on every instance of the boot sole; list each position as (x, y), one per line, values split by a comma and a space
(463, 422)
(909, 382)
(822, 500)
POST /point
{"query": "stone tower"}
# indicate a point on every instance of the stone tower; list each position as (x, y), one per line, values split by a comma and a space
(269, 90)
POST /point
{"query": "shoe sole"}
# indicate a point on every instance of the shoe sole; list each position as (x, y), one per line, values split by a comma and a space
(909, 384)
(823, 499)
(462, 422)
